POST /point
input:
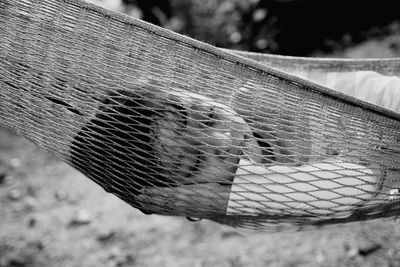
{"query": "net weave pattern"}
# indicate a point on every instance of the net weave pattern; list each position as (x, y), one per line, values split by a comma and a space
(177, 127)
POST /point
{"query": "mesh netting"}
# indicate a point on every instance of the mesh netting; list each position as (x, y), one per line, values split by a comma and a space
(177, 127)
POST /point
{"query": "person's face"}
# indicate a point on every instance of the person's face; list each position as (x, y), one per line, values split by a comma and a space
(202, 142)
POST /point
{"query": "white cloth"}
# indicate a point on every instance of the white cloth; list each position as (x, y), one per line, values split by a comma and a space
(368, 86)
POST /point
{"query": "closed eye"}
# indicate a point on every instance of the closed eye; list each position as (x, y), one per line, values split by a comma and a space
(267, 151)
(211, 118)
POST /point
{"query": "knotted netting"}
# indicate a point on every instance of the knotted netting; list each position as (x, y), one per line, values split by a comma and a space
(177, 127)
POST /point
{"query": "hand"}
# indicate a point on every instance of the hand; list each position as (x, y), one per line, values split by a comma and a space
(278, 135)
(199, 200)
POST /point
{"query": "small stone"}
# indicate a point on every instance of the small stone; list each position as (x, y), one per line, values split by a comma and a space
(229, 234)
(15, 194)
(3, 177)
(82, 217)
(320, 258)
(115, 253)
(15, 163)
(105, 235)
(30, 203)
(32, 222)
(369, 250)
(60, 195)
(17, 262)
(352, 252)
(8, 179)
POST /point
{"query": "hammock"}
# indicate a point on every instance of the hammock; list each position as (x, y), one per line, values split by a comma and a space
(177, 127)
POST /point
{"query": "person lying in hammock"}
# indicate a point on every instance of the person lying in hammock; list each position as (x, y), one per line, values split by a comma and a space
(180, 153)
(244, 167)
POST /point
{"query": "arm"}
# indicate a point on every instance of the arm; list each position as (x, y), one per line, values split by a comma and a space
(337, 186)
(325, 189)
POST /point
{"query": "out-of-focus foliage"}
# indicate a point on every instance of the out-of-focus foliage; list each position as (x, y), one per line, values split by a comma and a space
(292, 27)
(157, 12)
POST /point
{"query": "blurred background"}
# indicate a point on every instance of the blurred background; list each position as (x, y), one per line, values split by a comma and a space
(51, 215)
(288, 27)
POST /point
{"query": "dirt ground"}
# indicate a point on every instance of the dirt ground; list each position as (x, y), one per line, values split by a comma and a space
(51, 215)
